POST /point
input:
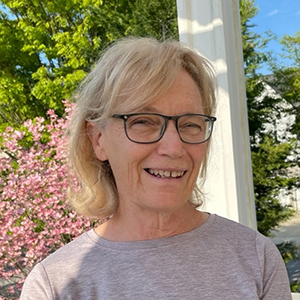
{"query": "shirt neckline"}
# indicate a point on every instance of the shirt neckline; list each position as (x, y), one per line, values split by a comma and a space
(154, 243)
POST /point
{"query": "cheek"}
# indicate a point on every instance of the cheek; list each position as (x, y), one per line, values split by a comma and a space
(113, 143)
(125, 158)
(200, 152)
(199, 156)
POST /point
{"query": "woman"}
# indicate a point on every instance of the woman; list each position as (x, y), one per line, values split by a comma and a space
(139, 139)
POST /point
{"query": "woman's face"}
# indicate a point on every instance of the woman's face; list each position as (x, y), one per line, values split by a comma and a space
(135, 165)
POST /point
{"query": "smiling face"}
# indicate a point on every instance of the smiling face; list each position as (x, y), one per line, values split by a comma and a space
(159, 176)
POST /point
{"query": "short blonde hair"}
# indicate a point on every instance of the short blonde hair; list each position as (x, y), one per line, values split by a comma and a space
(129, 75)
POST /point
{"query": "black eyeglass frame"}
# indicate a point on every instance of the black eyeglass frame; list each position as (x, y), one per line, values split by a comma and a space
(125, 118)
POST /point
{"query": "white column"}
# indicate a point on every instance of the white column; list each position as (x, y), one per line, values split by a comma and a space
(213, 28)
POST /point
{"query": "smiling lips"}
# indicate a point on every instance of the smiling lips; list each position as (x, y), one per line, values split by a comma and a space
(165, 174)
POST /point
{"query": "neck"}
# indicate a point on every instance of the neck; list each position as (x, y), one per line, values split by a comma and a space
(147, 225)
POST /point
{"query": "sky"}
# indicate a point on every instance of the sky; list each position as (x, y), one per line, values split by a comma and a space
(279, 16)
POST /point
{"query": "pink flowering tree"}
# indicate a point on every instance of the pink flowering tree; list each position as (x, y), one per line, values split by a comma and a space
(35, 217)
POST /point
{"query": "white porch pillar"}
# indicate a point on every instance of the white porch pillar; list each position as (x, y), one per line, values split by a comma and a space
(213, 28)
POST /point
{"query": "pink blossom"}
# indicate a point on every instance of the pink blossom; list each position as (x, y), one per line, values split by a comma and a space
(35, 217)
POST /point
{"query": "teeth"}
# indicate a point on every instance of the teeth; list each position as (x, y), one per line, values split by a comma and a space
(166, 174)
(175, 174)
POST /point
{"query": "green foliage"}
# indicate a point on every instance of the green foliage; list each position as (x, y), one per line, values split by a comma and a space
(271, 159)
(295, 287)
(254, 56)
(251, 41)
(291, 47)
(290, 252)
(270, 165)
(47, 47)
(287, 78)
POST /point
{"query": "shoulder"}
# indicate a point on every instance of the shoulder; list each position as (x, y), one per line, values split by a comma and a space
(257, 252)
(36, 285)
(233, 230)
(242, 240)
(49, 277)
(71, 251)
(239, 232)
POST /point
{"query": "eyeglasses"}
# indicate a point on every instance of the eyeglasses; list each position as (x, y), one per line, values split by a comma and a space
(147, 128)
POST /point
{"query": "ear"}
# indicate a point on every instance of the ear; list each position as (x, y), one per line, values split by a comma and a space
(97, 138)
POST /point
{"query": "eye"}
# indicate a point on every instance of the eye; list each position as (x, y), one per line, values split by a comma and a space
(191, 128)
(191, 125)
(143, 121)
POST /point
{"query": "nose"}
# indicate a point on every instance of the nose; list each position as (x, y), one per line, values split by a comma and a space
(171, 144)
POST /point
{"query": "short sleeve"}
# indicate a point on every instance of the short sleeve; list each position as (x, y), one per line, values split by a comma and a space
(274, 275)
(36, 285)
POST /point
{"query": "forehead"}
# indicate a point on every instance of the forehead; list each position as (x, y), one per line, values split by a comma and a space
(182, 97)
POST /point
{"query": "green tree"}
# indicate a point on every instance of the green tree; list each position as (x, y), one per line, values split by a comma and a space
(287, 77)
(270, 169)
(271, 159)
(47, 47)
(254, 56)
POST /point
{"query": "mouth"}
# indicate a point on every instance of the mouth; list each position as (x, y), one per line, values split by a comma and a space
(165, 174)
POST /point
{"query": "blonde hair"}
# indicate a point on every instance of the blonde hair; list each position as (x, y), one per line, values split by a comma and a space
(129, 75)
